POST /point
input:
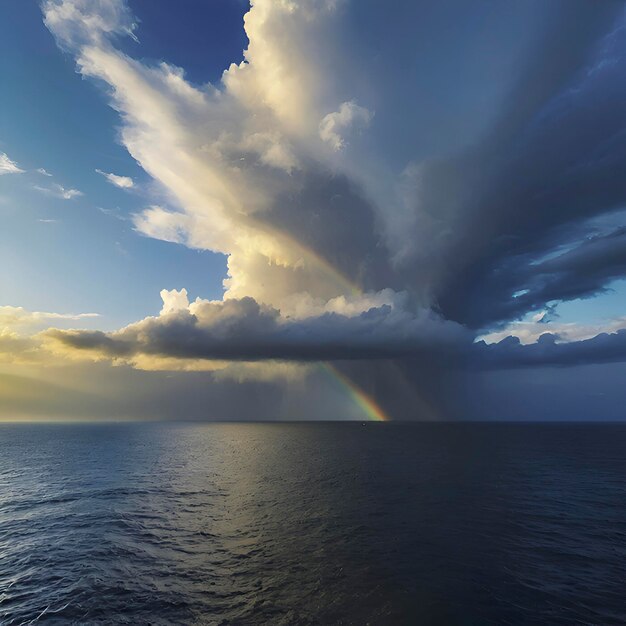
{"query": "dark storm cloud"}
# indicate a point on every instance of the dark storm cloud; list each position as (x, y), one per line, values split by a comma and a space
(244, 330)
(510, 353)
(551, 161)
(583, 270)
(330, 214)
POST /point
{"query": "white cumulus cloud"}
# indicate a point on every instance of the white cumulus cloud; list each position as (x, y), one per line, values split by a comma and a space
(7, 166)
(125, 182)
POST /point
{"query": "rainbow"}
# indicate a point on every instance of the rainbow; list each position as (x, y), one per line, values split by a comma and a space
(369, 406)
(343, 284)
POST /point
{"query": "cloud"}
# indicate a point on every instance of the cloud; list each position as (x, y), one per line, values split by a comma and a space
(124, 182)
(530, 332)
(43, 172)
(7, 166)
(231, 159)
(77, 22)
(159, 223)
(58, 191)
(116, 213)
(533, 186)
(19, 333)
(244, 330)
(17, 316)
(548, 350)
(334, 126)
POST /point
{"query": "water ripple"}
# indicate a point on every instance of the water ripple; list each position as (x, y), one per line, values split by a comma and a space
(312, 524)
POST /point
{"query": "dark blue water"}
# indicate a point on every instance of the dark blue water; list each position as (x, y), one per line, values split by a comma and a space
(313, 524)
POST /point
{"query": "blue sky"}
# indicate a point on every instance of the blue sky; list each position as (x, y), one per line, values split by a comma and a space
(52, 118)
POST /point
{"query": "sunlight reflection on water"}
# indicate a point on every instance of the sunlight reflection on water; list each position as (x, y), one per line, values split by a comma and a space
(312, 523)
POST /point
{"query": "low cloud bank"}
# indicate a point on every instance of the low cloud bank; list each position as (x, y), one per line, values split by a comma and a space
(244, 330)
(548, 351)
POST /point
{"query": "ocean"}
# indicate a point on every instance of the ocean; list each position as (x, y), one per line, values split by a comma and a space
(312, 523)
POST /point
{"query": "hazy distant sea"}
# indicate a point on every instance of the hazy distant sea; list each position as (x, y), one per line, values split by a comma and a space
(322, 523)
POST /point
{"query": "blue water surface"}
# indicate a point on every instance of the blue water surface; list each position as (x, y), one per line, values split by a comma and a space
(312, 523)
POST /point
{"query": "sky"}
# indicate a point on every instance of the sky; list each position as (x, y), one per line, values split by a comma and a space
(312, 209)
